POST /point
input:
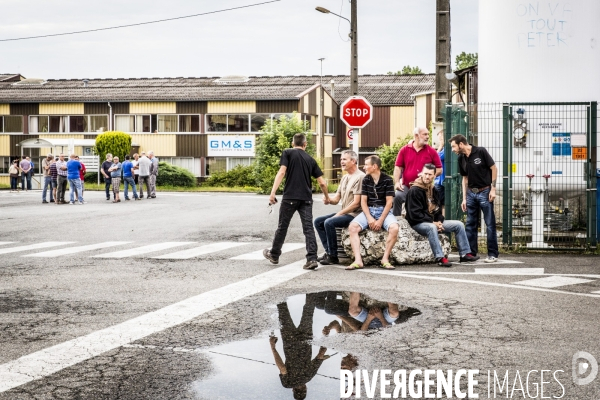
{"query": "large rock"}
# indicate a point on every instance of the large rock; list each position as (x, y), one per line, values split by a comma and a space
(411, 247)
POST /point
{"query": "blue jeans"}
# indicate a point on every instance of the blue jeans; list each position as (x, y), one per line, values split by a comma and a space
(430, 230)
(325, 227)
(129, 181)
(47, 184)
(25, 177)
(286, 211)
(477, 202)
(107, 183)
(13, 182)
(75, 184)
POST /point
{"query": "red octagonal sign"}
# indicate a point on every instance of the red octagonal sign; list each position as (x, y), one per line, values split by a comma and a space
(356, 112)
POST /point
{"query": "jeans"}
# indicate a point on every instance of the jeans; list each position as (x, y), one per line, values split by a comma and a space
(107, 183)
(75, 184)
(146, 180)
(129, 181)
(47, 184)
(325, 227)
(13, 182)
(430, 230)
(286, 212)
(61, 188)
(399, 199)
(477, 202)
(26, 177)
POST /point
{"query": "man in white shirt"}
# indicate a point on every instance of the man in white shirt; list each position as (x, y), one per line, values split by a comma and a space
(143, 165)
(136, 171)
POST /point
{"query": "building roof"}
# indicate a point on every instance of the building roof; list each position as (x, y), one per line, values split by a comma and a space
(378, 89)
(10, 77)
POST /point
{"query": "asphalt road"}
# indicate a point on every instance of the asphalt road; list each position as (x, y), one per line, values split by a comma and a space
(169, 298)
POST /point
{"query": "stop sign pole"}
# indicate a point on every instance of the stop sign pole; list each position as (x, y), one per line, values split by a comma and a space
(356, 112)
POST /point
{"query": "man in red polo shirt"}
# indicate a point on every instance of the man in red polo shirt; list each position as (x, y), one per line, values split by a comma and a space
(409, 163)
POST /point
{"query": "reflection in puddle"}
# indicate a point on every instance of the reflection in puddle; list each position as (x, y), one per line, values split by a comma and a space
(284, 364)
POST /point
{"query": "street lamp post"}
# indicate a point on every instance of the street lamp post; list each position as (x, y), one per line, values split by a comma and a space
(321, 117)
(353, 57)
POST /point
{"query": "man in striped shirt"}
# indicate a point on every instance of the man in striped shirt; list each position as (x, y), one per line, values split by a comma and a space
(377, 199)
(54, 176)
(61, 168)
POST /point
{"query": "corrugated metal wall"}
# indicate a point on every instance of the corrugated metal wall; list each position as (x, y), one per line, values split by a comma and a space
(191, 145)
(5, 145)
(4, 109)
(61, 108)
(191, 107)
(153, 107)
(377, 131)
(329, 106)
(401, 122)
(5, 180)
(277, 106)
(163, 145)
(120, 108)
(16, 150)
(24, 108)
(96, 108)
(90, 136)
(312, 103)
(231, 107)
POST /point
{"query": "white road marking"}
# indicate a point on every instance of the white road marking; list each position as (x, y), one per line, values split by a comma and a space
(472, 282)
(598, 292)
(142, 250)
(35, 246)
(509, 271)
(73, 250)
(198, 251)
(257, 255)
(552, 281)
(53, 359)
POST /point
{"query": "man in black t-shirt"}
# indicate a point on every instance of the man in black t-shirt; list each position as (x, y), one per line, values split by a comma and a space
(297, 167)
(377, 199)
(479, 173)
(106, 165)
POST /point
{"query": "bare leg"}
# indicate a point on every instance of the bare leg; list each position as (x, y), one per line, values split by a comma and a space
(390, 242)
(354, 309)
(354, 229)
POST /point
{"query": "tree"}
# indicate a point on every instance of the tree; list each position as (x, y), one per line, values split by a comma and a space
(116, 143)
(388, 154)
(407, 70)
(465, 60)
(276, 136)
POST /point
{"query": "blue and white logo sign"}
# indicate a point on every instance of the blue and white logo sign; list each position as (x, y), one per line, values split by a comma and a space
(231, 145)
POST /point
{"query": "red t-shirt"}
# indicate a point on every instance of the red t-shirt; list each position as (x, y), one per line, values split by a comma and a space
(82, 172)
(412, 161)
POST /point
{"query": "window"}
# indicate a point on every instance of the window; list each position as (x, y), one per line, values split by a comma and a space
(237, 123)
(67, 123)
(216, 123)
(38, 124)
(11, 123)
(142, 123)
(98, 123)
(233, 162)
(215, 165)
(258, 120)
(77, 123)
(125, 123)
(330, 126)
(58, 123)
(167, 123)
(189, 123)
(4, 163)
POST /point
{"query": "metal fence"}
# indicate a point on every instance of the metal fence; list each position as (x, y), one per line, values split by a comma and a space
(546, 154)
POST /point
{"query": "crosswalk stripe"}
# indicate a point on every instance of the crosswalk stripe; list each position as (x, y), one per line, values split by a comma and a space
(78, 249)
(198, 251)
(257, 255)
(35, 246)
(509, 271)
(142, 250)
(553, 281)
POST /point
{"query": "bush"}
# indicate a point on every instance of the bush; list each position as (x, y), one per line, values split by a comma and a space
(388, 154)
(275, 138)
(173, 175)
(92, 177)
(116, 143)
(239, 176)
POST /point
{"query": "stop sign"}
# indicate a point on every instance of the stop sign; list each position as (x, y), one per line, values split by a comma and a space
(356, 112)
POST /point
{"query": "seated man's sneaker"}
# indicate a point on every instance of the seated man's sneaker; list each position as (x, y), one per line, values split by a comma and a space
(267, 254)
(443, 262)
(469, 257)
(490, 259)
(329, 260)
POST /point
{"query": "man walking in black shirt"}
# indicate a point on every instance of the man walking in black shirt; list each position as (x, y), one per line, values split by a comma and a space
(377, 199)
(297, 167)
(479, 173)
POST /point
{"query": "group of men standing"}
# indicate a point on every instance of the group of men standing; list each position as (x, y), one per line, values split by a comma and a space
(137, 171)
(374, 200)
(57, 173)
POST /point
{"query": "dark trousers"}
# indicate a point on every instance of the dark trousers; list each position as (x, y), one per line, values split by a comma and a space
(399, 199)
(107, 183)
(26, 177)
(13, 182)
(144, 180)
(325, 227)
(477, 202)
(286, 212)
(62, 187)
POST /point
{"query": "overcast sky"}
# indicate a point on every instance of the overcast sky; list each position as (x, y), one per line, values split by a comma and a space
(282, 38)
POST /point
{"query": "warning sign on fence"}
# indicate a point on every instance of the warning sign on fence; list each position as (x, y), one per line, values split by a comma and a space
(579, 153)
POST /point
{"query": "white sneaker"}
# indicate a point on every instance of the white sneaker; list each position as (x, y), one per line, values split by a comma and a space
(81, 203)
(490, 259)
(71, 203)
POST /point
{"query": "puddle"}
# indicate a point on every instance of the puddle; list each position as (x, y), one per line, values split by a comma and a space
(283, 364)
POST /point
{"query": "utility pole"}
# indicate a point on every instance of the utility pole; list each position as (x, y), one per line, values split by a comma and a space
(354, 64)
(322, 117)
(442, 57)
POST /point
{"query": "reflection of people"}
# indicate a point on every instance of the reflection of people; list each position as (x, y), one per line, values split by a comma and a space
(423, 213)
(298, 368)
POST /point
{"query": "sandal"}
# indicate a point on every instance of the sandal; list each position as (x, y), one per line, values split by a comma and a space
(387, 265)
(354, 266)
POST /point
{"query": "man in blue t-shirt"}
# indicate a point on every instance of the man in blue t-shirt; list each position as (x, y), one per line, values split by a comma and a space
(73, 167)
(128, 178)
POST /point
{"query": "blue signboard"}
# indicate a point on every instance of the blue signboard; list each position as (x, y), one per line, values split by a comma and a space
(561, 144)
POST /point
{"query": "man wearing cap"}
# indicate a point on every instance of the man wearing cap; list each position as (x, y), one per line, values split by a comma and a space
(46, 162)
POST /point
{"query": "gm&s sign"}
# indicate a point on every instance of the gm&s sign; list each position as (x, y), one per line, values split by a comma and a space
(231, 146)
